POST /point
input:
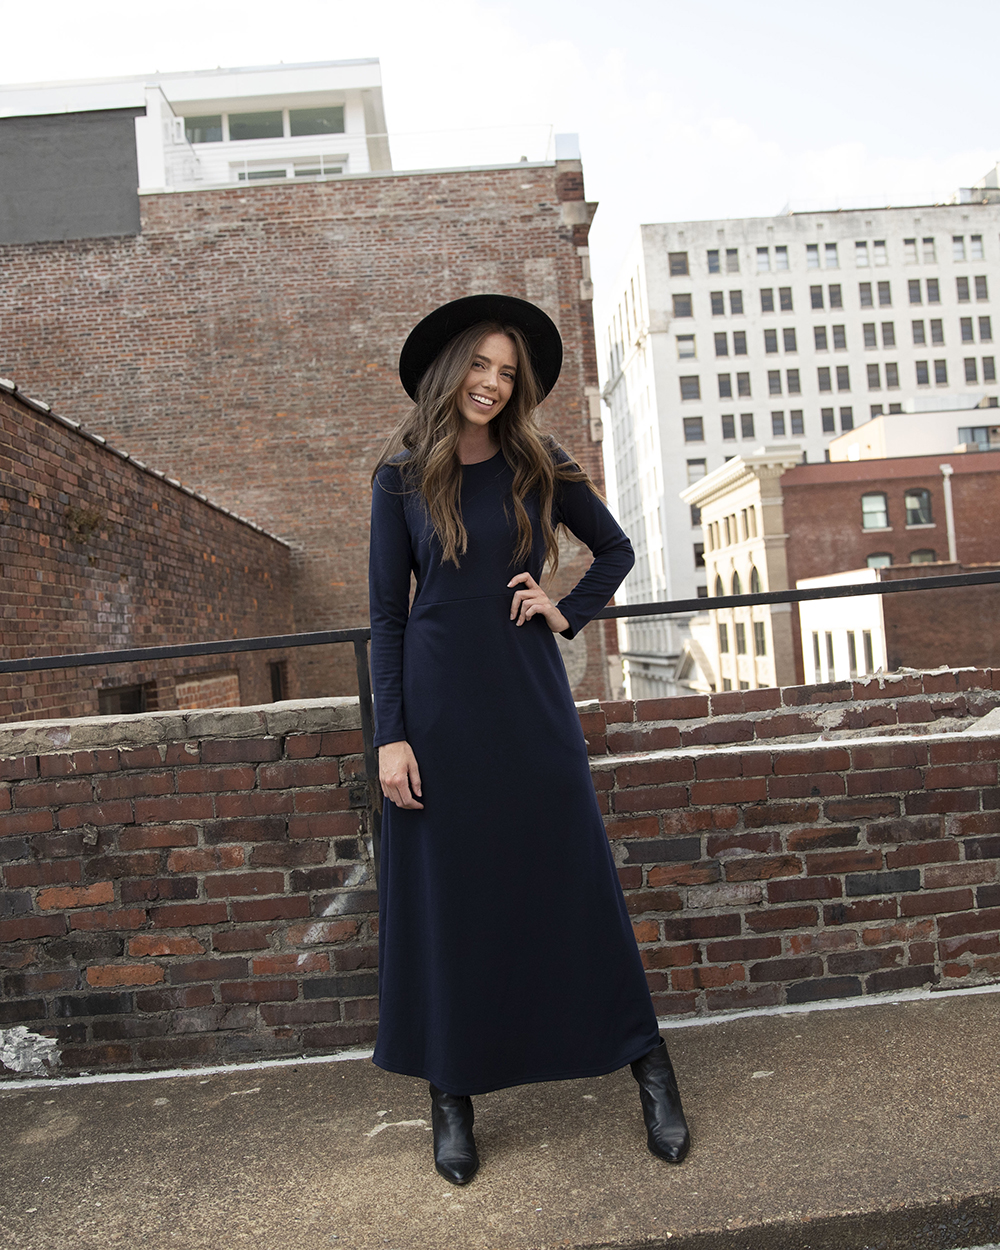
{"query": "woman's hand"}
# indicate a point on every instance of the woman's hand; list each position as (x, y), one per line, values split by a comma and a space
(399, 775)
(531, 601)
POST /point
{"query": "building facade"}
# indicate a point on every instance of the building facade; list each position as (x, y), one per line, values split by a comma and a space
(786, 331)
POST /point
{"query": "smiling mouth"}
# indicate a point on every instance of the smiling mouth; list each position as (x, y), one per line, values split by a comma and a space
(482, 399)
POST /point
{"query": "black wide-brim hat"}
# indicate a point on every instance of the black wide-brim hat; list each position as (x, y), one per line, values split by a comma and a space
(427, 338)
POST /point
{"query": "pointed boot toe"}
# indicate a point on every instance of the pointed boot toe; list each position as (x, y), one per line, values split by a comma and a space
(455, 1154)
(667, 1133)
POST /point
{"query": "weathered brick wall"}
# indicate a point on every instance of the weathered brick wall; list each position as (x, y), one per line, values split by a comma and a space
(99, 554)
(246, 343)
(195, 887)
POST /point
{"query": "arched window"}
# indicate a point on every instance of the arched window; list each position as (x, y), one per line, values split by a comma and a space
(918, 509)
(923, 556)
(754, 581)
(874, 511)
(737, 584)
(719, 588)
(879, 560)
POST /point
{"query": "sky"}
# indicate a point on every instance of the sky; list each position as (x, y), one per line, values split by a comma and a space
(690, 110)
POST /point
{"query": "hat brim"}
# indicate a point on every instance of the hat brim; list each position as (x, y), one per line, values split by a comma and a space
(427, 338)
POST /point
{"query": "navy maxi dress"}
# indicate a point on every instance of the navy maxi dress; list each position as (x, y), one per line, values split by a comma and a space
(506, 955)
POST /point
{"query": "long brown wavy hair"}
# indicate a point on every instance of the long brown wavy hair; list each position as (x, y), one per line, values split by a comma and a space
(429, 433)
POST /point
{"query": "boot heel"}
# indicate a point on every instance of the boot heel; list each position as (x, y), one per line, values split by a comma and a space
(667, 1133)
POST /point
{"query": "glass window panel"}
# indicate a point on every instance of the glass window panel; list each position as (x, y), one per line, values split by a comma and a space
(888, 334)
(827, 419)
(865, 294)
(766, 299)
(725, 386)
(713, 261)
(743, 384)
(781, 257)
(739, 343)
(884, 294)
(812, 255)
(793, 382)
(930, 254)
(789, 339)
(678, 264)
(937, 331)
(958, 247)
(910, 251)
(732, 260)
(933, 291)
(985, 330)
(915, 295)
(819, 336)
(874, 511)
(861, 255)
(718, 304)
(831, 256)
(693, 430)
(736, 303)
(816, 296)
(836, 297)
(729, 428)
(869, 331)
(318, 121)
(763, 259)
(722, 345)
(881, 256)
(778, 424)
(918, 507)
(256, 126)
(690, 388)
(797, 422)
(976, 247)
(203, 129)
(746, 425)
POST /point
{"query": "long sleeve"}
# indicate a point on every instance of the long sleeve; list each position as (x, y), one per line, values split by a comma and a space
(586, 516)
(389, 563)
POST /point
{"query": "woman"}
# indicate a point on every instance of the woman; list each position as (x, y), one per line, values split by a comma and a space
(506, 954)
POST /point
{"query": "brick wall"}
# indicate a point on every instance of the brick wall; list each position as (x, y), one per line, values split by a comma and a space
(246, 343)
(195, 887)
(98, 553)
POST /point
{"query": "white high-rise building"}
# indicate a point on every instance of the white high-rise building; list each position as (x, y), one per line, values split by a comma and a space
(730, 334)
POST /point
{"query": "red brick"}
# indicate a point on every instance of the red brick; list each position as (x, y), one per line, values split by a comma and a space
(242, 939)
(684, 707)
(839, 810)
(901, 931)
(14, 823)
(185, 915)
(797, 889)
(735, 790)
(809, 785)
(722, 845)
(289, 774)
(214, 780)
(703, 873)
(207, 970)
(981, 944)
(907, 856)
(652, 900)
(826, 863)
(254, 803)
(760, 868)
(742, 949)
(654, 772)
(957, 749)
(619, 711)
(889, 755)
(708, 975)
(823, 837)
(241, 750)
(174, 999)
(124, 974)
(132, 785)
(670, 956)
(959, 775)
(761, 814)
(941, 876)
(154, 944)
(822, 760)
(76, 896)
(259, 991)
(742, 997)
(53, 793)
(649, 799)
(145, 836)
(32, 927)
(328, 799)
(782, 918)
(324, 825)
(321, 931)
(646, 930)
(290, 962)
(101, 921)
(287, 854)
(625, 741)
(116, 812)
(941, 801)
(902, 780)
(824, 940)
(206, 860)
(244, 884)
(301, 1013)
(251, 910)
(43, 872)
(972, 824)
(936, 902)
(633, 827)
(19, 768)
(168, 808)
(866, 910)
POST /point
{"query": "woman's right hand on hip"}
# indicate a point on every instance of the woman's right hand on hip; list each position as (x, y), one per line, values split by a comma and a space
(399, 775)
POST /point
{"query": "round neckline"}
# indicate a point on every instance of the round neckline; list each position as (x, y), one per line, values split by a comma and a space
(489, 459)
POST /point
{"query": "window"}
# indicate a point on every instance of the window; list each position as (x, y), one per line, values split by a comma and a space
(879, 560)
(746, 425)
(798, 424)
(924, 556)
(979, 434)
(884, 294)
(678, 264)
(785, 298)
(752, 519)
(981, 291)
(965, 323)
(852, 654)
(256, 125)
(847, 418)
(823, 378)
(736, 303)
(839, 339)
(933, 291)
(843, 378)
(774, 381)
(865, 294)
(754, 575)
(891, 377)
(718, 304)
(937, 331)
(781, 257)
(713, 261)
(778, 424)
(690, 388)
(743, 384)
(126, 700)
(930, 255)
(699, 555)
(875, 410)
(871, 340)
(881, 256)
(737, 584)
(971, 372)
(732, 260)
(763, 259)
(725, 386)
(923, 375)
(816, 659)
(722, 345)
(723, 638)
(976, 247)
(816, 296)
(694, 430)
(826, 416)
(918, 333)
(812, 255)
(278, 674)
(958, 247)
(696, 469)
(915, 296)
(941, 372)
(874, 378)
(918, 507)
(874, 511)
(741, 637)
(909, 251)
(989, 372)
(759, 639)
(727, 683)
(739, 342)
(819, 335)
(836, 296)
(766, 299)
(318, 121)
(729, 428)
(695, 516)
(682, 306)
(861, 255)
(789, 340)
(203, 129)
(888, 334)
(719, 588)
(793, 382)
(770, 341)
(685, 346)
(831, 256)
(962, 286)
(866, 638)
(985, 330)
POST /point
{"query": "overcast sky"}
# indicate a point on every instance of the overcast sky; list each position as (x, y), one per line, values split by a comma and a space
(684, 110)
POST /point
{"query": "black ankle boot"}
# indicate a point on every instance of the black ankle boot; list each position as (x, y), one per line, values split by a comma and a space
(455, 1155)
(666, 1129)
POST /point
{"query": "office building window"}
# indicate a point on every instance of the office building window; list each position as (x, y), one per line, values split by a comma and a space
(891, 377)
(985, 330)
(937, 331)
(723, 638)
(933, 291)
(778, 424)
(836, 296)
(865, 294)
(766, 299)
(722, 345)
(881, 256)
(847, 418)
(737, 585)
(831, 256)
(774, 381)
(965, 324)
(816, 659)
(852, 654)
(713, 261)
(781, 256)
(797, 422)
(678, 264)
(741, 635)
(746, 425)
(694, 431)
(924, 556)
(971, 372)
(888, 334)
(256, 125)
(789, 341)
(884, 294)
(962, 289)
(696, 517)
(725, 386)
(685, 347)
(754, 575)
(718, 304)
(871, 339)
(923, 373)
(839, 339)
(915, 296)
(981, 290)
(989, 370)
(770, 341)
(918, 333)
(941, 372)
(203, 129)
(826, 417)
(732, 260)
(819, 336)
(743, 384)
(957, 247)
(699, 555)
(875, 410)
(328, 120)
(918, 507)
(763, 259)
(759, 639)
(861, 255)
(812, 255)
(816, 296)
(823, 378)
(976, 247)
(736, 303)
(930, 254)
(739, 342)
(874, 378)
(793, 382)
(682, 306)
(874, 512)
(843, 378)
(690, 388)
(696, 470)
(729, 428)
(909, 251)
(879, 560)
(785, 298)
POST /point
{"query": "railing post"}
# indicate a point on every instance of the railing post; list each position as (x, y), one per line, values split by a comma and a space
(371, 760)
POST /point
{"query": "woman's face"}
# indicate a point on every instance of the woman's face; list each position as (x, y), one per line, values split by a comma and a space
(490, 381)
